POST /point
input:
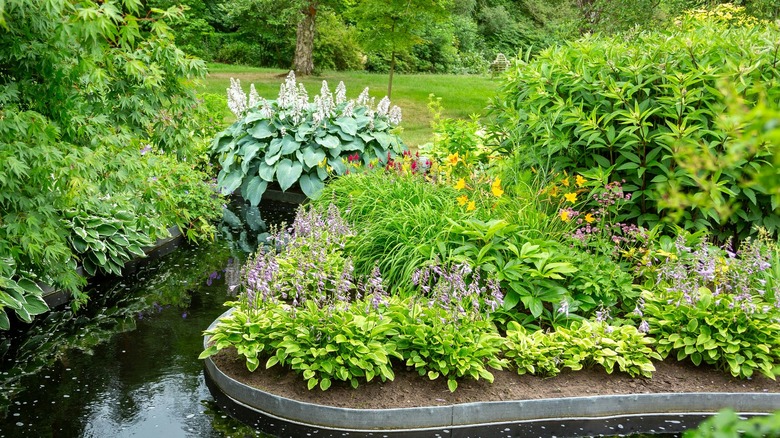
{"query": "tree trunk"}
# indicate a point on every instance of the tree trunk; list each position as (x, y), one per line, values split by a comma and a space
(392, 64)
(304, 42)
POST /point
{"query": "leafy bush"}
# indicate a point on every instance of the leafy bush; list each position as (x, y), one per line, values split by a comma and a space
(647, 108)
(105, 240)
(583, 344)
(292, 141)
(22, 295)
(712, 306)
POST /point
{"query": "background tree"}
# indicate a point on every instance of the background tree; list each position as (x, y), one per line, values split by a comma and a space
(395, 26)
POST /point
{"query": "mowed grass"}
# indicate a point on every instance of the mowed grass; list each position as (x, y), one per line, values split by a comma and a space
(461, 95)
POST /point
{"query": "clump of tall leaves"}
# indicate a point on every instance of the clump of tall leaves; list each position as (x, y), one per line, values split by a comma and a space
(293, 141)
(84, 86)
(648, 108)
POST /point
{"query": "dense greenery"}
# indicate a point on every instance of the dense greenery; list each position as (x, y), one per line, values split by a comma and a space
(648, 109)
(100, 133)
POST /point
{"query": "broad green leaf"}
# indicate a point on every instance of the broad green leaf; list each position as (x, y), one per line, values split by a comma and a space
(288, 172)
(274, 148)
(347, 124)
(337, 165)
(325, 383)
(229, 182)
(266, 171)
(35, 305)
(5, 324)
(30, 286)
(9, 301)
(289, 145)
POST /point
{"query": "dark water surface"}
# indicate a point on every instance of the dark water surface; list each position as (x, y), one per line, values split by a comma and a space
(126, 364)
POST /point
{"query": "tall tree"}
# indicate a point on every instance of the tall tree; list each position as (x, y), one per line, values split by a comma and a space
(394, 26)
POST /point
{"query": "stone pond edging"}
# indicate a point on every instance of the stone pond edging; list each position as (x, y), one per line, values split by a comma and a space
(665, 408)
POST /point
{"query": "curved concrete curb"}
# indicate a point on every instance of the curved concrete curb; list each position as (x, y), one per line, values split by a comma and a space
(664, 408)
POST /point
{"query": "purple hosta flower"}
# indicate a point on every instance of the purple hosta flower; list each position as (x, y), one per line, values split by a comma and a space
(213, 276)
(602, 315)
(146, 149)
(644, 327)
(563, 308)
(345, 282)
(495, 293)
(184, 315)
(341, 93)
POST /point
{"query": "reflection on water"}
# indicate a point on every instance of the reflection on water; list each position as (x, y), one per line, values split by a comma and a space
(126, 364)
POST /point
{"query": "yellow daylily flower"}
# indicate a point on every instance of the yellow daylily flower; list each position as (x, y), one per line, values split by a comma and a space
(589, 218)
(580, 181)
(571, 197)
(453, 159)
(462, 200)
(461, 184)
(495, 188)
(472, 206)
(565, 215)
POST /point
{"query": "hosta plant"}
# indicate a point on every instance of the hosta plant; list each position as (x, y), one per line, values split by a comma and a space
(584, 343)
(714, 306)
(292, 141)
(20, 295)
(105, 241)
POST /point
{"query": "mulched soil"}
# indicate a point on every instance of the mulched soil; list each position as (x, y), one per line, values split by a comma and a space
(411, 390)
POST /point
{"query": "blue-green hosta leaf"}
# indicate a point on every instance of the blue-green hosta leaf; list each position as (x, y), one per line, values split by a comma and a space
(266, 171)
(255, 190)
(311, 156)
(223, 142)
(229, 182)
(322, 172)
(361, 120)
(254, 219)
(289, 145)
(272, 159)
(312, 185)
(355, 145)
(384, 139)
(338, 166)
(254, 115)
(328, 141)
(288, 172)
(249, 152)
(303, 132)
(347, 124)
(231, 219)
(335, 152)
(274, 147)
(261, 130)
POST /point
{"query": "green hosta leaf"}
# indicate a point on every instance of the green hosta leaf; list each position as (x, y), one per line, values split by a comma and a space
(288, 172)
(325, 383)
(9, 301)
(312, 185)
(35, 305)
(30, 286)
(266, 171)
(89, 267)
(452, 384)
(5, 324)
(274, 148)
(255, 190)
(261, 130)
(347, 124)
(135, 250)
(208, 352)
(384, 139)
(99, 257)
(311, 383)
(329, 141)
(22, 314)
(119, 239)
(106, 230)
(338, 166)
(249, 152)
(311, 156)
(355, 145)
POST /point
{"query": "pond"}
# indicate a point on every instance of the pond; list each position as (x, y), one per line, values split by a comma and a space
(126, 364)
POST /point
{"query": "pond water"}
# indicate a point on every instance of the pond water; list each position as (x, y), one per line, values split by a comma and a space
(126, 364)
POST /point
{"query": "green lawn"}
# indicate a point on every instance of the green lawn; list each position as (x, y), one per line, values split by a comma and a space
(461, 95)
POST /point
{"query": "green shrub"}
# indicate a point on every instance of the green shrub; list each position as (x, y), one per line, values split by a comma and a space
(728, 424)
(647, 108)
(294, 142)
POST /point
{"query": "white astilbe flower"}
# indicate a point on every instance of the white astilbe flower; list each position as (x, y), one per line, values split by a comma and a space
(395, 115)
(341, 93)
(363, 99)
(383, 107)
(236, 98)
(254, 98)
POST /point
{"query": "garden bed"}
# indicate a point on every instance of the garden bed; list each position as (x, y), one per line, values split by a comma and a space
(412, 390)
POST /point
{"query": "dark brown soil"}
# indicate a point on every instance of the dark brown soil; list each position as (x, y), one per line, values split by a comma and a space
(411, 390)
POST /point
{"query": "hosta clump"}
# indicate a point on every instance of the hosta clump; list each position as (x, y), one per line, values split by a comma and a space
(715, 306)
(445, 330)
(584, 343)
(22, 295)
(301, 307)
(293, 141)
(105, 241)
